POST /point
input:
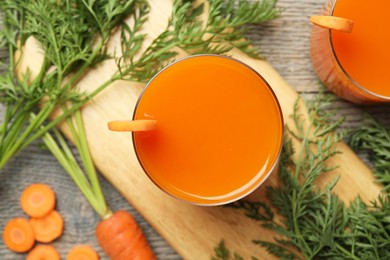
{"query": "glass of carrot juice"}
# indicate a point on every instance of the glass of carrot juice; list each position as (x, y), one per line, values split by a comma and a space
(355, 65)
(218, 134)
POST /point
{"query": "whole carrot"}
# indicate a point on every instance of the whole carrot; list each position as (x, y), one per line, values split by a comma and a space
(118, 234)
(122, 239)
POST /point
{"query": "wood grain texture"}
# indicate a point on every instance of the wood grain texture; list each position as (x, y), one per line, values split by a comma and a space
(193, 231)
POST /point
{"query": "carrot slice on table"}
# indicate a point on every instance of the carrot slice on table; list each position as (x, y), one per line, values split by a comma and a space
(18, 235)
(43, 252)
(132, 126)
(37, 200)
(48, 228)
(333, 22)
(121, 238)
(82, 252)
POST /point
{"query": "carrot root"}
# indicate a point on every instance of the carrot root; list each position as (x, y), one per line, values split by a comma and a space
(43, 252)
(82, 252)
(18, 235)
(132, 126)
(37, 200)
(333, 22)
(121, 238)
(48, 228)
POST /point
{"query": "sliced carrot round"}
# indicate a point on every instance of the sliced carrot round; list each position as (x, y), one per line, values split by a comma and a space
(43, 252)
(18, 235)
(82, 252)
(48, 228)
(37, 200)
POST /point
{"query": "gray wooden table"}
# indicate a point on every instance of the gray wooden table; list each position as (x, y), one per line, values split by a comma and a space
(283, 42)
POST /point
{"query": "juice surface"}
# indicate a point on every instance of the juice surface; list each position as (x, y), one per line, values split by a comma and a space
(364, 53)
(219, 129)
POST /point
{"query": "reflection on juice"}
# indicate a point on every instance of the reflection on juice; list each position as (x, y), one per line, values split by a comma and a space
(219, 130)
(355, 65)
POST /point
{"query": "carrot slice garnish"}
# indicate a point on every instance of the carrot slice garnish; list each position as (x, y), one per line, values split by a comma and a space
(43, 252)
(82, 252)
(48, 228)
(333, 22)
(37, 200)
(132, 126)
(18, 235)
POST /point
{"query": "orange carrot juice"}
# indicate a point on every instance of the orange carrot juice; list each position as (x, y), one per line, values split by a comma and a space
(219, 130)
(362, 56)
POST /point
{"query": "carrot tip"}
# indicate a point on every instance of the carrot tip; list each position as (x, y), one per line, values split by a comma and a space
(132, 126)
(333, 22)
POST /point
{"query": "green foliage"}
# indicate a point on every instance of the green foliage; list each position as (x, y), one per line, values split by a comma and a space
(222, 253)
(316, 224)
(374, 138)
(235, 14)
(256, 210)
(311, 216)
(223, 30)
(74, 35)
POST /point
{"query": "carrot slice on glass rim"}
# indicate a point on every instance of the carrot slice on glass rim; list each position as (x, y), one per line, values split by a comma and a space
(333, 22)
(132, 126)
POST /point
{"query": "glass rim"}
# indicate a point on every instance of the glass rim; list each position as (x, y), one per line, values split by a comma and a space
(344, 70)
(265, 176)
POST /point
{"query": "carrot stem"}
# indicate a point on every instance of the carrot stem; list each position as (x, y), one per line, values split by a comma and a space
(88, 163)
(70, 165)
(34, 124)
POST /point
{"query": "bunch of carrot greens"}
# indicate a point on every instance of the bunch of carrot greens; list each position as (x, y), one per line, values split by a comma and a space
(74, 37)
(316, 224)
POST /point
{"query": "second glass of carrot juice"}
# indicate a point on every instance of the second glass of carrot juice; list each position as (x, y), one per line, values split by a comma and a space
(355, 65)
(218, 134)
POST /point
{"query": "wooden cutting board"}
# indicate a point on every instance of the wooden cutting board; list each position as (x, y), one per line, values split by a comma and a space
(192, 230)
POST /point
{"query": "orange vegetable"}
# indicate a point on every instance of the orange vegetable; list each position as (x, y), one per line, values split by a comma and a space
(37, 200)
(18, 235)
(136, 125)
(43, 252)
(333, 22)
(122, 239)
(48, 228)
(82, 252)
